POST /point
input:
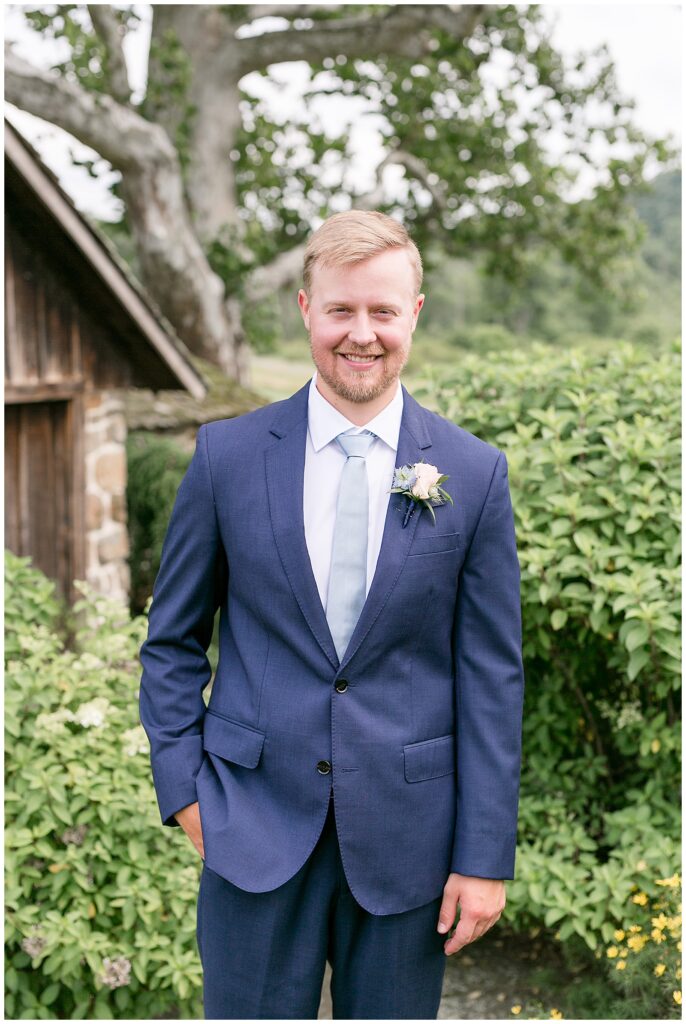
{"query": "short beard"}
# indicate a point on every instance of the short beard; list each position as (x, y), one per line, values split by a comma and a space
(361, 391)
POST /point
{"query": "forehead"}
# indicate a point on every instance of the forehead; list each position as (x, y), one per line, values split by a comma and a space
(387, 275)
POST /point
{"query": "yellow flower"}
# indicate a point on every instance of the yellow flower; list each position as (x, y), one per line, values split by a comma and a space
(678, 945)
(620, 965)
(636, 942)
(556, 1015)
(659, 970)
(640, 898)
(678, 973)
(657, 936)
(623, 951)
(612, 952)
(619, 935)
(635, 928)
(516, 1009)
(655, 746)
(677, 997)
(672, 882)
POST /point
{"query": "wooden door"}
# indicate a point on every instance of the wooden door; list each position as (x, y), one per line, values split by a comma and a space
(39, 488)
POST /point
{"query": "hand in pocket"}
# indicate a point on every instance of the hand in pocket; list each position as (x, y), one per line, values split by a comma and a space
(189, 820)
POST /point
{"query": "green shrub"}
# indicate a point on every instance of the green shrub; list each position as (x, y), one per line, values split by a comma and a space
(155, 468)
(593, 447)
(100, 898)
(30, 602)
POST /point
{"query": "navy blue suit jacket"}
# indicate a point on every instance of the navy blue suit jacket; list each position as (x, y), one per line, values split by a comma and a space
(424, 742)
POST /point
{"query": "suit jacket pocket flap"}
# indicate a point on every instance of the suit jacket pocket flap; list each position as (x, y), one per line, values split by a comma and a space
(430, 758)
(231, 740)
(434, 543)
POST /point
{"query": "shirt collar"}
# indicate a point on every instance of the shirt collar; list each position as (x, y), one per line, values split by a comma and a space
(325, 422)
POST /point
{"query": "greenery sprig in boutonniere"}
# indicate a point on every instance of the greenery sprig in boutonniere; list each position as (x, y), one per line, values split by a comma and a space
(421, 483)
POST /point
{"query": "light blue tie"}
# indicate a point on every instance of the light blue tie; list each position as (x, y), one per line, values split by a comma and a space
(348, 575)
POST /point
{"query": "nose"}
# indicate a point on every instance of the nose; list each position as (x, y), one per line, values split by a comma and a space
(361, 331)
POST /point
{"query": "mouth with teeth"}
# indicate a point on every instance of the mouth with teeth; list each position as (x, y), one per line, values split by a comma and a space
(363, 362)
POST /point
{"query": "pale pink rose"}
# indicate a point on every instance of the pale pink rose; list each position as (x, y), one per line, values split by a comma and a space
(427, 476)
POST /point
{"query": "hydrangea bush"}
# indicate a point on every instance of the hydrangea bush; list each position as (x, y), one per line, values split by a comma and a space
(100, 898)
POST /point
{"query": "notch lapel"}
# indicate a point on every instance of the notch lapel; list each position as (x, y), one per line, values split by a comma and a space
(285, 471)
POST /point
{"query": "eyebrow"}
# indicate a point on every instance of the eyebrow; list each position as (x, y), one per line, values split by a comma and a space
(342, 302)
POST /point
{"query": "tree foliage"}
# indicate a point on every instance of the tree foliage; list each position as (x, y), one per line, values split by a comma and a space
(493, 130)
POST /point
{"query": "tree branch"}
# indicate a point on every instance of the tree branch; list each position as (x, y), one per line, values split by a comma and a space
(402, 31)
(288, 11)
(115, 131)
(421, 172)
(286, 268)
(112, 34)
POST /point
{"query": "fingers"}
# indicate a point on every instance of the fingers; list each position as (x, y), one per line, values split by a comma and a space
(469, 929)
(446, 915)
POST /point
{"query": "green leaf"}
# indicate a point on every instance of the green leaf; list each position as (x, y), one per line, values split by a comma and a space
(584, 540)
(637, 636)
(50, 994)
(638, 660)
(558, 619)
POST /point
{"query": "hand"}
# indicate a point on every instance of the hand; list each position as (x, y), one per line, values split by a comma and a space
(481, 903)
(189, 820)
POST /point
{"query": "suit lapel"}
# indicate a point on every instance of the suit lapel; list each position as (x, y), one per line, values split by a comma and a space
(285, 469)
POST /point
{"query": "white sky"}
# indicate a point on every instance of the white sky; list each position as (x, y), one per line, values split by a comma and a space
(643, 39)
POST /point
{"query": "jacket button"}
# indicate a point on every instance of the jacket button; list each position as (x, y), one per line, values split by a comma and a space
(323, 767)
(342, 685)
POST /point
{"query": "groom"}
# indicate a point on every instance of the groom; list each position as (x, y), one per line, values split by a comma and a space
(354, 779)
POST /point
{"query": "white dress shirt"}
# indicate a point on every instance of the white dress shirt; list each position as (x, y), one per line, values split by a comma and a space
(324, 461)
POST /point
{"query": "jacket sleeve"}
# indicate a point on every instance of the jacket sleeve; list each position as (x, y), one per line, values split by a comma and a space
(487, 647)
(189, 587)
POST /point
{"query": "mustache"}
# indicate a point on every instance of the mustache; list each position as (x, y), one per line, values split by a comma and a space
(369, 355)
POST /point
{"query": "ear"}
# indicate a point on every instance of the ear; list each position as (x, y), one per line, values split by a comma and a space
(415, 312)
(304, 304)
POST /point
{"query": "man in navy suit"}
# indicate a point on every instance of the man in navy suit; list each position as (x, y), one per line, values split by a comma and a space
(354, 778)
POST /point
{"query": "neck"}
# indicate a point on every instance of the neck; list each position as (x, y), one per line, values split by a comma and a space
(359, 413)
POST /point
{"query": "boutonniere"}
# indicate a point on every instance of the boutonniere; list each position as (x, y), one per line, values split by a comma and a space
(421, 483)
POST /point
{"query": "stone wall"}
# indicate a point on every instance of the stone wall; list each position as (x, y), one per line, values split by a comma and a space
(107, 539)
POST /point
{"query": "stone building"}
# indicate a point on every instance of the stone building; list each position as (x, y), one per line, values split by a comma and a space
(80, 331)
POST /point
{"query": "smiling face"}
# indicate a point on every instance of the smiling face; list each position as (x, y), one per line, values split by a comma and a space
(366, 310)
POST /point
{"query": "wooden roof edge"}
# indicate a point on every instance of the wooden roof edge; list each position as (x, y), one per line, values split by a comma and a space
(106, 261)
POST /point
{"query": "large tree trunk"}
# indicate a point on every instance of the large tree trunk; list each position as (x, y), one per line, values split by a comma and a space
(207, 37)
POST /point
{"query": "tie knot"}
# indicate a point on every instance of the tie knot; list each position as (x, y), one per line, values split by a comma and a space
(356, 444)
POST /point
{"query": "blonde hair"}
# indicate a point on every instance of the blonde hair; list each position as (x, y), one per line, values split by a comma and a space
(353, 236)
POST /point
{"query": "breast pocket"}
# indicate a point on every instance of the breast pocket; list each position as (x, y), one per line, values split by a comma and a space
(434, 543)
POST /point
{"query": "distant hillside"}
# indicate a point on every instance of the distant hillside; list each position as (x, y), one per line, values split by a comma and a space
(660, 210)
